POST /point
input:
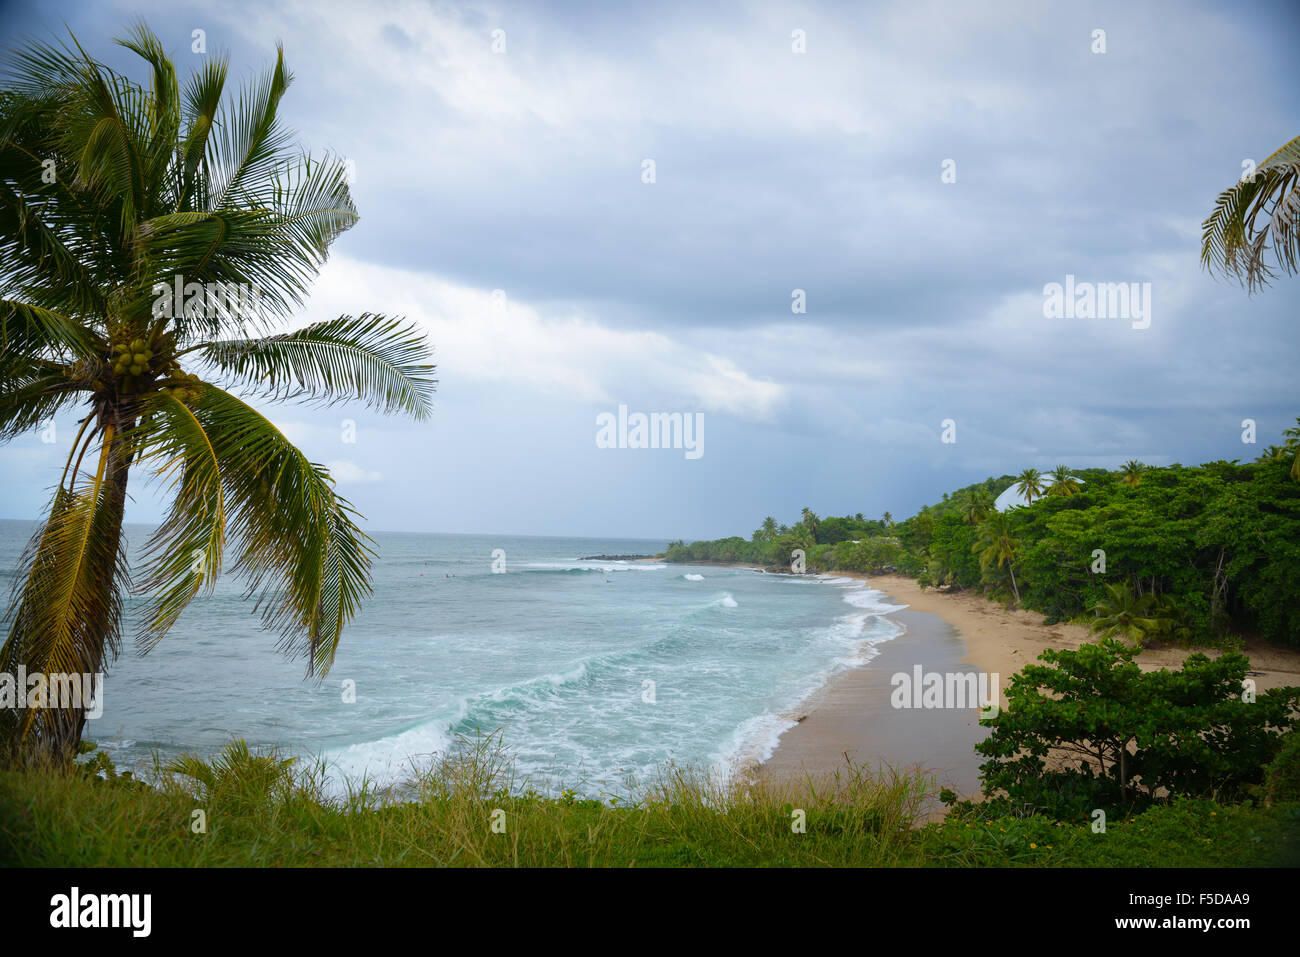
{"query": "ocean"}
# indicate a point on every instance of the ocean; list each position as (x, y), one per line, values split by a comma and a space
(595, 673)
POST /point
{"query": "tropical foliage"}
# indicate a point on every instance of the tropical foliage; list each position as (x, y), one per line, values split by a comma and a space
(1063, 483)
(137, 224)
(1120, 613)
(1179, 555)
(1130, 737)
(977, 505)
(1131, 473)
(1260, 212)
(997, 546)
(1029, 484)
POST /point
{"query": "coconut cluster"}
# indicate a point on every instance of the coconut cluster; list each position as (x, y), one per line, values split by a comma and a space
(138, 356)
(153, 357)
(185, 391)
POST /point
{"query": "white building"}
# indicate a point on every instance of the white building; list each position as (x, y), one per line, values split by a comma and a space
(1012, 497)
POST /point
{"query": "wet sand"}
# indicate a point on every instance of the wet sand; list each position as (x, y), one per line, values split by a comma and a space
(852, 718)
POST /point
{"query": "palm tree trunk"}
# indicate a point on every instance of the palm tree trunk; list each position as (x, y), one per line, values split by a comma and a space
(1014, 589)
(71, 722)
(1217, 593)
(58, 728)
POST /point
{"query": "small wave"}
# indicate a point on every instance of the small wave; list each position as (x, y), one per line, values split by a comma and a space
(389, 759)
(726, 601)
(753, 742)
(540, 685)
(870, 600)
(694, 578)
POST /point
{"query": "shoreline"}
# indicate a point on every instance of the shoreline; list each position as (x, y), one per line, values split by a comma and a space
(957, 633)
(851, 718)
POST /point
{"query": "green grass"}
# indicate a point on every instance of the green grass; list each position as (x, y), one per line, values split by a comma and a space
(1185, 833)
(260, 811)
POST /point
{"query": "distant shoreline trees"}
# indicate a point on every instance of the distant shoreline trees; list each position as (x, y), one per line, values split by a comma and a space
(1197, 555)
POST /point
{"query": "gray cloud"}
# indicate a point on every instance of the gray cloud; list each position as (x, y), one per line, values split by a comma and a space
(776, 171)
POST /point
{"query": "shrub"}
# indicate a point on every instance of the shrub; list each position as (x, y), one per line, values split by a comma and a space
(1135, 737)
(1282, 779)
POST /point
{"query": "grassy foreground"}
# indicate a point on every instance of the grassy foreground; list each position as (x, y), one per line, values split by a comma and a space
(463, 811)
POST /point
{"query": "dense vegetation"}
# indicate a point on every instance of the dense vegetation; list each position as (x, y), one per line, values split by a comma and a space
(1187, 556)
(1191, 555)
(1125, 738)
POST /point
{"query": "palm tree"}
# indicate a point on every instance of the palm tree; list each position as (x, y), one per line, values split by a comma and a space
(1030, 484)
(154, 187)
(1172, 621)
(1121, 612)
(937, 571)
(1293, 443)
(888, 520)
(976, 505)
(768, 532)
(1131, 473)
(809, 521)
(1232, 240)
(1063, 483)
(997, 544)
(1290, 448)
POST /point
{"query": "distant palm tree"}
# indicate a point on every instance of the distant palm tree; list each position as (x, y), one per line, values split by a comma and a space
(937, 569)
(1131, 473)
(1247, 216)
(976, 505)
(1293, 442)
(1121, 612)
(887, 519)
(1030, 484)
(1289, 449)
(1173, 622)
(1272, 452)
(769, 530)
(1063, 483)
(111, 192)
(809, 521)
(997, 544)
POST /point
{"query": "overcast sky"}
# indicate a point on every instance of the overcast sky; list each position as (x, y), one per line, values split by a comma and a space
(824, 171)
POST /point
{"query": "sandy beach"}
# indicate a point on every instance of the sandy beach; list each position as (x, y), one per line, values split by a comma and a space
(959, 632)
(852, 717)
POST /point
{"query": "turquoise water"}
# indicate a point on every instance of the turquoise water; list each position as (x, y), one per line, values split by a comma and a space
(555, 653)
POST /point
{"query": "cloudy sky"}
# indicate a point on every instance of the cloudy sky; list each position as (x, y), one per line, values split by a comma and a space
(920, 172)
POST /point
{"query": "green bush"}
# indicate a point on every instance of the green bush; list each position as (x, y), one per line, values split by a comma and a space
(1134, 737)
(1282, 779)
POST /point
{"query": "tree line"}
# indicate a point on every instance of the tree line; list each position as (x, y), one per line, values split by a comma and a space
(1193, 555)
